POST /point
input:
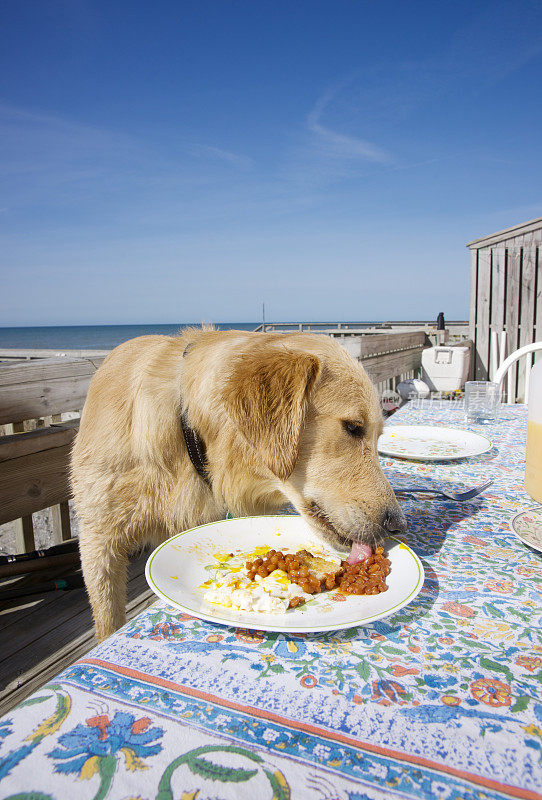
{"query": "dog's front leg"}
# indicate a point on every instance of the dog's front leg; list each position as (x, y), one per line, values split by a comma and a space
(104, 564)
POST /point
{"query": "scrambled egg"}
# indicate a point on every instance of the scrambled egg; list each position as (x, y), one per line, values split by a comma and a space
(269, 595)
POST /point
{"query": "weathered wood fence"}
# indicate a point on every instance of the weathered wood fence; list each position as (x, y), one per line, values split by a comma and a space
(506, 296)
(35, 450)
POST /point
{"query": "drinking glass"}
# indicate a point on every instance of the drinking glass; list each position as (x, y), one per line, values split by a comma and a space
(482, 401)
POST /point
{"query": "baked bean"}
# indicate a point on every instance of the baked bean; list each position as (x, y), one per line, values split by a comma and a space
(296, 601)
(366, 577)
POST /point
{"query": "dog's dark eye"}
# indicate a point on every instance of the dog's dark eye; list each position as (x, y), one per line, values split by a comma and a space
(354, 429)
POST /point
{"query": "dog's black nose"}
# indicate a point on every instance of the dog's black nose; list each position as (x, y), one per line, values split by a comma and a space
(394, 520)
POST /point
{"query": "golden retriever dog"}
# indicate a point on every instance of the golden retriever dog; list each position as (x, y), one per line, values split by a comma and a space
(283, 417)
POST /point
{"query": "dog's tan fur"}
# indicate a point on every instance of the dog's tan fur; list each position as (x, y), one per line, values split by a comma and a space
(270, 408)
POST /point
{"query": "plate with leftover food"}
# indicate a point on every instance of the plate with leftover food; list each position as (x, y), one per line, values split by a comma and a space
(274, 573)
(527, 525)
(431, 443)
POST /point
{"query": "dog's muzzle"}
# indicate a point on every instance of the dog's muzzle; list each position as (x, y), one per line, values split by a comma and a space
(367, 530)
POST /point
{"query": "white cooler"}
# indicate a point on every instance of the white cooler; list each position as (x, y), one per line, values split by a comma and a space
(445, 369)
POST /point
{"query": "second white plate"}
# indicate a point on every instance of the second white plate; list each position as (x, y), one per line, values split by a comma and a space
(428, 443)
(527, 525)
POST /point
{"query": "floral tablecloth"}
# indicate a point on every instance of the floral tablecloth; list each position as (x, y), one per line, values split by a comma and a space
(441, 700)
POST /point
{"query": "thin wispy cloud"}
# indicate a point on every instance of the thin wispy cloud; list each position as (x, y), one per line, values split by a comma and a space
(335, 143)
(207, 151)
(52, 160)
(34, 138)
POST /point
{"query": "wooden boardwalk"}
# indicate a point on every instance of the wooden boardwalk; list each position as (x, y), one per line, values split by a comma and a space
(42, 634)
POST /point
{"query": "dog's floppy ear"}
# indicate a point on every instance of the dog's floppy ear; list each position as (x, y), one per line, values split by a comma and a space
(266, 395)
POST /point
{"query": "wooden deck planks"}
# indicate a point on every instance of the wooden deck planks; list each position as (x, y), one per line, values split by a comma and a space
(42, 635)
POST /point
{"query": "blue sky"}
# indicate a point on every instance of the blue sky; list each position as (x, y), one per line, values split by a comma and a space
(184, 161)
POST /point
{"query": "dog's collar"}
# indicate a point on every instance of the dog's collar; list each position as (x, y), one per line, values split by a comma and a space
(196, 449)
(194, 443)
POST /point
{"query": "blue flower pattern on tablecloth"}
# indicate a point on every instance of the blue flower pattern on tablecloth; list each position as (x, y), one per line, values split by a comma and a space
(100, 736)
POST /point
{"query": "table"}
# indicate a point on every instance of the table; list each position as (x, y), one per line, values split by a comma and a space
(441, 700)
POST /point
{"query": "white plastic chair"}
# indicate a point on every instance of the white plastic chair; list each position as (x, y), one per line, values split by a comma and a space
(504, 368)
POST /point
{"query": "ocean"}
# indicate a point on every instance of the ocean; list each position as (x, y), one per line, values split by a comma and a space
(99, 337)
(92, 337)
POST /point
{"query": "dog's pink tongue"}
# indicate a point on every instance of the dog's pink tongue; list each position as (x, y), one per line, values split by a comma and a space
(359, 552)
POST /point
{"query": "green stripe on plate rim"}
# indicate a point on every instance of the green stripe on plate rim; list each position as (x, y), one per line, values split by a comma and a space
(232, 623)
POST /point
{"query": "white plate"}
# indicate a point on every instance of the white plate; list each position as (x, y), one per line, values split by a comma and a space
(176, 569)
(527, 525)
(431, 443)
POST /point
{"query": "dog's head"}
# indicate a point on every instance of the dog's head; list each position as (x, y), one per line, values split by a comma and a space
(311, 414)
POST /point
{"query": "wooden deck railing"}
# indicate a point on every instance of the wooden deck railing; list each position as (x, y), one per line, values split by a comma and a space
(35, 447)
(36, 394)
(455, 329)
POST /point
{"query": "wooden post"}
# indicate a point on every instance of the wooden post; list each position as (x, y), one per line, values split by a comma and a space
(526, 311)
(60, 514)
(497, 301)
(494, 354)
(512, 312)
(483, 312)
(60, 517)
(23, 527)
(24, 534)
(473, 309)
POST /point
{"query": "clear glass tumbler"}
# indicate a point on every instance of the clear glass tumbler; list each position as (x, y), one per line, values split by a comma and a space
(482, 401)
